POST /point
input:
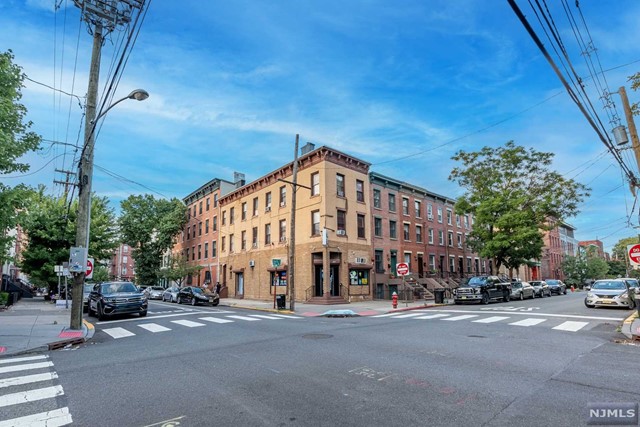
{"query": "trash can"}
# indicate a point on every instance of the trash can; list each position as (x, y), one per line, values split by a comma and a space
(439, 295)
(281, 302)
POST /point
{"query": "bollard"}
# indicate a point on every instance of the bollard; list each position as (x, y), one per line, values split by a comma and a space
(394, 300)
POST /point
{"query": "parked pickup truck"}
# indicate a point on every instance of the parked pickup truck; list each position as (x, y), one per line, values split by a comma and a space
(483, 289)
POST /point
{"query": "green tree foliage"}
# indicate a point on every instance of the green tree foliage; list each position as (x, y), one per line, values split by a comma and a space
(620, 248)
(179, 270)
(100, 274)
(149, 226)
(50, 226)
(513, 196)
(586, 266)
(15, 141)
(619, 269)
(635, 85)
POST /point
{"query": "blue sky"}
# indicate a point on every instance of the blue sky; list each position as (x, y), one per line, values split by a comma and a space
(402, 85)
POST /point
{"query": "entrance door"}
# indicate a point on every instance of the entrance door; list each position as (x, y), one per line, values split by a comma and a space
(239, 284)
(420, 266)
(394, 261)
(334, 280)
(318, 281)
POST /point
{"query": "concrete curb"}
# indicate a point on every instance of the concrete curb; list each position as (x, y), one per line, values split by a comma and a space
(627, 325)
(268, 310)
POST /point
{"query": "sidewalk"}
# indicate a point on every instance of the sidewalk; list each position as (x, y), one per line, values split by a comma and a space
(33, 324)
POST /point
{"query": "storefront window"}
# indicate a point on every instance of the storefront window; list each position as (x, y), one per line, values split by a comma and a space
(279, 278)
(359, 277)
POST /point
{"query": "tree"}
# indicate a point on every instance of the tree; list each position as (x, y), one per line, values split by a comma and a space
(149, 226)
(15, 141)
(513, 196)
(620, 248)
(635, 85)
(586, 266)
(179, 269)
(49, 224)
(619, 269)
(100, 274)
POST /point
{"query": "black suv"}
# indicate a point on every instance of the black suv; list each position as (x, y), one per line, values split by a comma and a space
(111, 298)
(483, 289)
(194, 296)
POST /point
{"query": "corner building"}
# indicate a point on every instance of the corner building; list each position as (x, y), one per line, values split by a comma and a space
(332, 199)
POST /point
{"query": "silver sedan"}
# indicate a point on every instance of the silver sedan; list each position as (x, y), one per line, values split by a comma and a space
(609, 293)
(171, 294)
(522, 290)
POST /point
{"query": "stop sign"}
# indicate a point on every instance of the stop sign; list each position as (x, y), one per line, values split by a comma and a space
(634, 253)
(402, 268)
(89, 273)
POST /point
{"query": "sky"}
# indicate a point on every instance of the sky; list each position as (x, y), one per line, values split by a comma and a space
(402, 85)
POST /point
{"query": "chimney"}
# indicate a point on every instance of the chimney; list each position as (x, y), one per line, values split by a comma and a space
(238, 179)
(308, 147)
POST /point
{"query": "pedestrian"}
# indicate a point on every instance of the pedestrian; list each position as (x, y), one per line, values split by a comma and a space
(218, 286)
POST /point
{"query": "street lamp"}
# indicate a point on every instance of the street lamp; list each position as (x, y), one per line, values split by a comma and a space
(85, 176)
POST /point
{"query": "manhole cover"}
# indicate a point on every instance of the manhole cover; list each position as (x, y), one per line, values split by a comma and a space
(317, 336)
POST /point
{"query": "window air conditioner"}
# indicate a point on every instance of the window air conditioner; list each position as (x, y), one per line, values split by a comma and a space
(361, 260)
(252, 263)
(267, 209)
(341, 233)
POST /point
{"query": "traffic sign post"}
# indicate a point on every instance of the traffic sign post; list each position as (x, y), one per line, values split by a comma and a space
(633, 252)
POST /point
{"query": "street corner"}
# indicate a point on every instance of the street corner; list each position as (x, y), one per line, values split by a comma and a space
(631, 326)
(90, 329)
(340, 313)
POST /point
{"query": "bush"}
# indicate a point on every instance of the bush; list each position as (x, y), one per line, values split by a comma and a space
(4, 298)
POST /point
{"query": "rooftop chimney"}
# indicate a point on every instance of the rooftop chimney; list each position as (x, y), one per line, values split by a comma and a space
(238, 179)
(308, 147)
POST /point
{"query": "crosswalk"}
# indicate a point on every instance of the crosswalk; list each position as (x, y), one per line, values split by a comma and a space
(26, 383)
(150, 326)
(554, 322)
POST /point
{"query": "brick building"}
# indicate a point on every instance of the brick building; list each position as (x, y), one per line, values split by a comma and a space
(122, 265)
(595, 244)
(558, 243)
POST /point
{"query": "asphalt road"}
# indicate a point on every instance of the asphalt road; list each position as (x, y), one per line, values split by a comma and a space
(458, 365)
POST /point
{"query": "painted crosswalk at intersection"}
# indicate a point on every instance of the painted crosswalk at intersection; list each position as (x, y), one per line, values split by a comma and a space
(27, 386)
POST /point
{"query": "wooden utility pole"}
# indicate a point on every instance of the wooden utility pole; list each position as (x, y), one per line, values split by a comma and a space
(631, 125)
(292, 232)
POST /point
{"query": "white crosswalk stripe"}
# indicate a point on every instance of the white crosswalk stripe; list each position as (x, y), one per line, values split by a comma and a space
(571, 326)
(215, 320)
(262, 316)
(491, 319)
(406, 316)
(463, 317)
(532, 321)
(154, 327)
(21, 395)
(188, 323)
(249, 319)
(287, 316)
(118, 332)
(432, 316)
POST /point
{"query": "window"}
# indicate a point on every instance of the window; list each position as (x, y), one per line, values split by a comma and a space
(243, 240)
(244, 211)
(199, 252)
(358, 277)
(255, 206)
(392, 202)
(189, 213)
(124, 259)
(223, 246)
(377, 226)
(199, 229)
(429, 211)
(378, 262)
(458, 220)
(315, 184)
(124, 270)
(208, 204)
(468, 265)
(206, 226)
(194, 210)
(200, 208)
(406, 229)
(283, 196)
(283, 230)
(393, 232)
(267, 202)
(125, 248)
(407, 259)
(224, 217)
(466, 221)
(361, 227)
(193, 253)
(441, 237)
(232, 213)
(214, 226)
(416, 207)
(231, 243)
(452, 264)
(188, 232)
(254, 237)
(186, 253)
(405, 206)
(341, 221)
(359, 191)
(418, 233)
(267, 234)
(459, 240)
(340, 185)
(431, 236)
(440, 215)
(214, 249)
(215, 200)
(450, 238)
(315, 223)
(376, 199)
(432, 262)
(206, 249)
(449, 219)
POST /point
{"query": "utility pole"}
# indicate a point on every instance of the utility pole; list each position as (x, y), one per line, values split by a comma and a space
(633, 133)
(292, 231)
(99, 13)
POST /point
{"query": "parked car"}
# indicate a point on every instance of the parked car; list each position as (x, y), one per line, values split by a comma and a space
(194, 296)
(171, 294)
(556, 286)
(111, 298)
(154, 292)
(609, 293)
(86, 291)
(522, 290)
(540, 288)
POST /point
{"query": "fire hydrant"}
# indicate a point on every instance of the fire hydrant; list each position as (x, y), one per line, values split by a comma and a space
(394, 300)
(572, 288)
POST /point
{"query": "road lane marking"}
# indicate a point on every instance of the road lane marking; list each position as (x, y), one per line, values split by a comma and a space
(187, 323)
(571, 326)
(215, 320)
(27, 379)
(491, 319)
(118, 332)
(432, 316)
(154, 327)
(528, 322)
(463, 317)
(249, 319)
(404, 316)
(31, 395)
(569, 316)
(286, 316)
(262, 316)
(22, 359)
(55, 418)
(16, 368)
